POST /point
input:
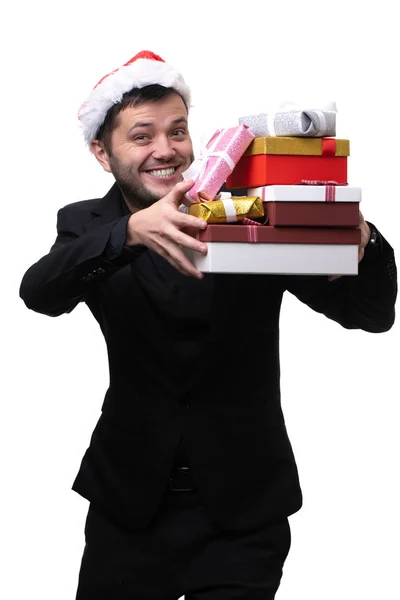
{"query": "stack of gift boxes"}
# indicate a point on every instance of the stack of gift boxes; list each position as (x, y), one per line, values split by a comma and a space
(293, 211)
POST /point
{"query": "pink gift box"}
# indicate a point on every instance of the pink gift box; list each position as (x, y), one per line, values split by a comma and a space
(217, 161)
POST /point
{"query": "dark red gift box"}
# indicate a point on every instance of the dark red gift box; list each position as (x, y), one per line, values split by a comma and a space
(312, 214)
(279, 235)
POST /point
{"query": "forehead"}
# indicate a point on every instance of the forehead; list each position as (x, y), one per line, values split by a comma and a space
(164, 111)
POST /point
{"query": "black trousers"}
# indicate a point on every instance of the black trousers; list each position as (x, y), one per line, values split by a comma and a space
(182, 553)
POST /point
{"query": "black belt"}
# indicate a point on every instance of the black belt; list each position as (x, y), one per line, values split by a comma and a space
(181, 480)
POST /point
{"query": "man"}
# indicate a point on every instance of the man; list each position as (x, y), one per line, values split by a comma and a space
(189, 473)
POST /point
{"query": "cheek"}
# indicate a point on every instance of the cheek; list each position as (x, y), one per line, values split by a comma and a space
(187, 149)
(135, 158)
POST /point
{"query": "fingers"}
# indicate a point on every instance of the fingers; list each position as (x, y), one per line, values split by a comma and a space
(191, 231)
(188, 241)
(365, 233)
(175, 256)
(180, 238)
(183, 220)
(162, 229)
(361, 252)
(178, 191)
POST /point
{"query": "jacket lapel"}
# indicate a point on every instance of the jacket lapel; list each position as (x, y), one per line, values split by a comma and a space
(110, 208)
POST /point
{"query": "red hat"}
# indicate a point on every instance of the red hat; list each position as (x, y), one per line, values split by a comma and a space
(146, 68)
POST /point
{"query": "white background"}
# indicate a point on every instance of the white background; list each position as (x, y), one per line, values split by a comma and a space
(340, 388)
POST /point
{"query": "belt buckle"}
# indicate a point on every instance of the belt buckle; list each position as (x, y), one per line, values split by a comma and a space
(180, 473)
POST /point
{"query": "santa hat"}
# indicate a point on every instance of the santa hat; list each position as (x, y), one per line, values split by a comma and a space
(146, 68)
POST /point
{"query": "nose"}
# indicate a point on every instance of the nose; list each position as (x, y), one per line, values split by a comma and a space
(163, 148)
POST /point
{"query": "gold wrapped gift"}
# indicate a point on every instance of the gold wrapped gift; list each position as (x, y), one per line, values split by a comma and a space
(299, 146)
(228, 210)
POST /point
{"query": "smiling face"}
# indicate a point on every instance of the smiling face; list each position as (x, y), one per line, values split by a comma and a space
(150, 149)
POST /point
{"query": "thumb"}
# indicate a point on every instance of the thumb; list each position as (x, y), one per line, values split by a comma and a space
(178, 191)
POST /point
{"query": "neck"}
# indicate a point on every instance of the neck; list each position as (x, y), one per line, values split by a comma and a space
(129, 204)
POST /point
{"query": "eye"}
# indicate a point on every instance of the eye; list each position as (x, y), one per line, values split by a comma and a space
(179, 132)
(141, 138)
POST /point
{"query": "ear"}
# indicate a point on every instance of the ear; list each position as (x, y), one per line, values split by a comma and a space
(101, 155)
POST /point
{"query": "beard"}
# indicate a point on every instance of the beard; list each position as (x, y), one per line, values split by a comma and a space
(133, 190)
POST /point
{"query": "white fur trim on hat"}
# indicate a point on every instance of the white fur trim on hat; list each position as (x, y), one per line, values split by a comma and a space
(109, 91)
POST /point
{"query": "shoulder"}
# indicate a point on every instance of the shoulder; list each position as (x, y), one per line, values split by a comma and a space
(76, 215)
(83, 206)
(95, 206)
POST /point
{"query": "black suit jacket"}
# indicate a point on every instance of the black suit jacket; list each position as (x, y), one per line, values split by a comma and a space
(187, 360)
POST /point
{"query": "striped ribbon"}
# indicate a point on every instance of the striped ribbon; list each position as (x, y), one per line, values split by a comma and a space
(330, 187)
(252, 229)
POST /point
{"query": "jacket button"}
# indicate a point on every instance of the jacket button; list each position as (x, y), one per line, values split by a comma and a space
(176, 288)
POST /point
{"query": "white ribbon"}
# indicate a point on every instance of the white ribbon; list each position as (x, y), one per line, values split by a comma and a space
(199, 166)
(321, 131)
(223, 196)
(206, 154)
(271, 123)
(230, 211)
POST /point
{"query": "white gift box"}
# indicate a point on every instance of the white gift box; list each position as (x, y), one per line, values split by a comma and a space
(287, 250)
(291, 259)
(307, 193)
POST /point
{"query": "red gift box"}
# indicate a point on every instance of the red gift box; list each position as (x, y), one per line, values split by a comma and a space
(274, 169)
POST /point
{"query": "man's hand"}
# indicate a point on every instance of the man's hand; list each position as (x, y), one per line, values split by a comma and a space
(162, 227)
(365, 235)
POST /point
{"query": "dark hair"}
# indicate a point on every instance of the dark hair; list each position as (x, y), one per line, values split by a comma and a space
(150, 93)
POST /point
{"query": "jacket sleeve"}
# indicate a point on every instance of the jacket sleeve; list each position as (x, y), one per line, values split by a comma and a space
(76, 263)
(365, 301)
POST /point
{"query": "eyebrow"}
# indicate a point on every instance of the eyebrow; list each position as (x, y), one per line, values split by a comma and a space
(180, 120)
(143, 124)
(139, 125)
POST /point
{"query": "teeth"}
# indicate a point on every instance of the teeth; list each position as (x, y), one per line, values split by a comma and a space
(163, 172)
